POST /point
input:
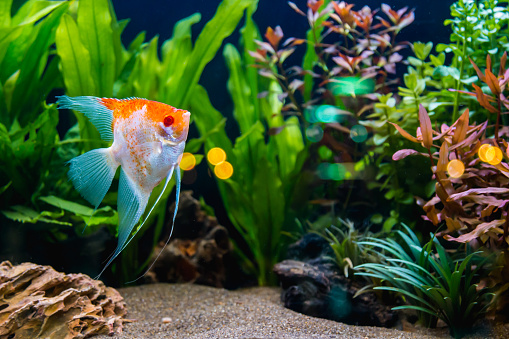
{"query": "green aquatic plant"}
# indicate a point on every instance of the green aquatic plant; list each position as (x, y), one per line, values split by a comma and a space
(350, 55)
(344, 240)
(87, 58)
(138, 71)
(478, 27)
(29, 140)
(429, 280)
(266, 158)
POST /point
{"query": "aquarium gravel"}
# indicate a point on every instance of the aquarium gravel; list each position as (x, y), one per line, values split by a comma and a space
(193, 311)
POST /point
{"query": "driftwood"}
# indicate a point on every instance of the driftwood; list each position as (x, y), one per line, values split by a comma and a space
(39, 302)
(198, 250)
(311, 285)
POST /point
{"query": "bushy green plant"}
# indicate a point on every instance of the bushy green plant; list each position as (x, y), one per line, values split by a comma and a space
(31, 147)
(266, 165)
(344, 240)
(88, 58)
(350, 56)
(429, 280)
(139, 72)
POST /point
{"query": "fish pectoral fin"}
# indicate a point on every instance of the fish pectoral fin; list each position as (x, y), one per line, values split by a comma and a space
(131, 204)
(92, 173)
(94, 110)
(149, 148)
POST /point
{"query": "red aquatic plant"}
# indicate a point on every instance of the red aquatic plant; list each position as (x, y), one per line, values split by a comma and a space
(341, 42)
(471, 169)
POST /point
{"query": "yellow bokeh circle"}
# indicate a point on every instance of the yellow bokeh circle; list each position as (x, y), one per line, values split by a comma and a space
(224, 170)
(188, 161)
(482, 151)
(455, 168)
(494, 155)
(216, 156)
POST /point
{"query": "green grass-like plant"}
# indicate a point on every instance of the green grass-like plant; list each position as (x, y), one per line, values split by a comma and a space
(429, 280)
(345, 243)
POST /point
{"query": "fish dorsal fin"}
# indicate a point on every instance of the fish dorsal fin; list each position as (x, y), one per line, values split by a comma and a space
(92, 173)
(98, 114)
(131, 204)
(177, 188)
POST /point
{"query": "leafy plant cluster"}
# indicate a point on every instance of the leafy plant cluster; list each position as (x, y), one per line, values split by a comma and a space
(340, 43)
(76, 45)
(477, 26)
(474, 202)
(429, 280)
(32, 153)
(346, 245)
(349, 61)
(258, 196)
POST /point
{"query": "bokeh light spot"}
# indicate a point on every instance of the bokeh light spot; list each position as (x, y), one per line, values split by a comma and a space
(216, 156)
(494, 155)
(314, 133)
(188, 161)
(323, 171)
(327, 171)
(455, 168)
(336, 172)
(324, 152)
(327, 113)
(310, 114)
(482, 152)
(224, 170)
(352, 86)
(358, 133)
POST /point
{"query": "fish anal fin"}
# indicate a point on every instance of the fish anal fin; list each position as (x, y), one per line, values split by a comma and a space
(177, 187)
(131, 204)
(99, 114)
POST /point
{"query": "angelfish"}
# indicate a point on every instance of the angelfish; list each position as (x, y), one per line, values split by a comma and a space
(148, 142)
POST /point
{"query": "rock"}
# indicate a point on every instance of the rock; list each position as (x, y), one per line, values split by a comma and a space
(197, 251)
(37, 301)
(312, 286)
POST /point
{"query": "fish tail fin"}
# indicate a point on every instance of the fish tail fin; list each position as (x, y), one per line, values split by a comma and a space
(131, 204)
(97, 110)
(92, 173)
(177, 186)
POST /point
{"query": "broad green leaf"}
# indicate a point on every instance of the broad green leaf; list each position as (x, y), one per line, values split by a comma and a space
(25, 214)
(94, 24)
(26, 97)
(226, 18)
(250, 33)
(32, 11)
(5, 13)
(207, 116)
(68, 205)
(117, 27)
(175, 53)
(17, 47)
(243, 109)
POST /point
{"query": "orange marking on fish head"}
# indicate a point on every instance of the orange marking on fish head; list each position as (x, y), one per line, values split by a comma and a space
(173, 123)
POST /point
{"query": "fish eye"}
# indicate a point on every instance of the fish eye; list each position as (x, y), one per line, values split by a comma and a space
(168, 120)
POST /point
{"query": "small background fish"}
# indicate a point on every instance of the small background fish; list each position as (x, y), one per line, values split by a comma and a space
(148, 142)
